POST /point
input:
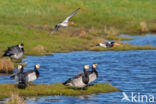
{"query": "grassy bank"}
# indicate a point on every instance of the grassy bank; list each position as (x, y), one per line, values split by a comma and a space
(123, 47)
(30, 21)
(54, 89)
(6, 65)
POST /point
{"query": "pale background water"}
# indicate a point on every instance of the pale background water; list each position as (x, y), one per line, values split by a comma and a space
(130, 71)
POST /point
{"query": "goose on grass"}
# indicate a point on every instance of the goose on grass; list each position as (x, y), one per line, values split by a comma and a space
(107, 44)
(15, 51)
(33, 74)
(21, 77)
(80, 80)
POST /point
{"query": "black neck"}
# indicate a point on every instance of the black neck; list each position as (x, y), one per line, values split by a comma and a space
(85, 72)
(22, 69)
(93, 69)
(37, 72)
(22, 49)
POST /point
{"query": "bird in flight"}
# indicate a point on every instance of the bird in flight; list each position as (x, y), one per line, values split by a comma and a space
(65, 23)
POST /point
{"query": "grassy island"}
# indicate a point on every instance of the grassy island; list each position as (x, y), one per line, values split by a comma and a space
(54, 89)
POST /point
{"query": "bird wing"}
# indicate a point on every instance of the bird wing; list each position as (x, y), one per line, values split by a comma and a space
(13, 76)
(67, 19)
(11, 50)
(29, 72)
(55, 29)
(73, 78)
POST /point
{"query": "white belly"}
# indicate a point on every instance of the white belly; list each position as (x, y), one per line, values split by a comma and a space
(17, 56)
(78, 83)
(92, 77)
(103, 45)
(32, 77)
(64, 24)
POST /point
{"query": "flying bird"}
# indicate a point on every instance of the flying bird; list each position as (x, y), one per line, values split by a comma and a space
(65, 23)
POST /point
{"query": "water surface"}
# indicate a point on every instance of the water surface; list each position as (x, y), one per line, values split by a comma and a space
(130, 71)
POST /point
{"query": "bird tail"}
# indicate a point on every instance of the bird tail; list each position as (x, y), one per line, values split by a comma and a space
(22, 85)
(67, 82)
(12, 77)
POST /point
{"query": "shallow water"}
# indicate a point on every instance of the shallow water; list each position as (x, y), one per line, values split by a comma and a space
(130, 71)
(147, 39)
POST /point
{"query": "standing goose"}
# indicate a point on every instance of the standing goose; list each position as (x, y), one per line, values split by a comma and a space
(65, 23)
(80, 80)
(93, 74)
(15, 51)
(33, 74)
(21, 78)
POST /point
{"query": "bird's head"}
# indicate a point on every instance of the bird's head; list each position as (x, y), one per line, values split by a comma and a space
(94, 65)
(21, 45)
(86, 67)
(37, 66)
(116, 44)
(19, 67)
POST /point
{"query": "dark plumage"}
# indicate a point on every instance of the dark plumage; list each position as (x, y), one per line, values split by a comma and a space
(21, 78)
(15, 51)
(80, 80)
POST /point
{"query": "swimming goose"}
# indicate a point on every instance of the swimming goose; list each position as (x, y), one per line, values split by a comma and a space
(21, 78)
(93, 74)
(80, 80)
(33, 74)
(15, 51)
(65, 23)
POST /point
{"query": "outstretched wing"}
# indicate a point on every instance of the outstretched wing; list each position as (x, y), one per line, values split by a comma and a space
(67, 19)
(55, 29)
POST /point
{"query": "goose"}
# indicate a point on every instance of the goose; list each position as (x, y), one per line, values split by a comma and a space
(80, 80)
(33, 74)
(65, 23)
(15, 51)
(93, 74)
(107, 44)
(21, 78)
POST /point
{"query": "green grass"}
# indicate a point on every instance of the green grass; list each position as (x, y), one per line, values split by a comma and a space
(30, 21)
(126, 14)
(54, 89)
